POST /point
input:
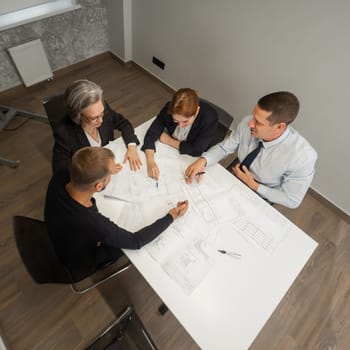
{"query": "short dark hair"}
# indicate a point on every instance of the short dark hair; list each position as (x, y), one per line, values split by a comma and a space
(283, 105)
(88, 165)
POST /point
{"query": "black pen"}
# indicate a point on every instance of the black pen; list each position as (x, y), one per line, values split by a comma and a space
(200, 173)
(232, 254)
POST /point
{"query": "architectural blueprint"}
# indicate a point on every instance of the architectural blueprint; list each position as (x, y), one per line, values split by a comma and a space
(188, 249)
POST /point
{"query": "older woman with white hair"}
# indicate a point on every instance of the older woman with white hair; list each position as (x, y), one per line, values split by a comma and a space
(90, 121)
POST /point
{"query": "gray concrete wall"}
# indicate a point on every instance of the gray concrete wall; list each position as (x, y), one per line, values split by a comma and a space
(67, 38)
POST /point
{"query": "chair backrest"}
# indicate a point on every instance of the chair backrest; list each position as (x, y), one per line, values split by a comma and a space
(39, 257)
(37, 251)
(225, 121)
(55, 109)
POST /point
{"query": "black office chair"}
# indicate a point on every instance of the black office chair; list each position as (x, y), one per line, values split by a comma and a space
(225, 121)
(55, 109)
(39, 257)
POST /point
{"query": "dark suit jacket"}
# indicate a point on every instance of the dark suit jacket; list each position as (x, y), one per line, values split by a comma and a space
(69, 136)
(199, 138)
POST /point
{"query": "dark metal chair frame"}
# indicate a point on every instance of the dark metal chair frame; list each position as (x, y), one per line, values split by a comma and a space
(6, 115)
(118, 329)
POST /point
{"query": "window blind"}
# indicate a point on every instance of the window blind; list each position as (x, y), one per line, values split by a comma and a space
(38, 9)
(7, 6)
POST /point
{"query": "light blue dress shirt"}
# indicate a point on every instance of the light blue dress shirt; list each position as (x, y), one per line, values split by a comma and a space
(284, 167)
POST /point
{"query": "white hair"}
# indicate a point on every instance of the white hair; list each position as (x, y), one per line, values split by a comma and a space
(79, 95)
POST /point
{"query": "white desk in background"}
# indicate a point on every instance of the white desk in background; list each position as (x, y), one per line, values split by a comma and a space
(222, 301)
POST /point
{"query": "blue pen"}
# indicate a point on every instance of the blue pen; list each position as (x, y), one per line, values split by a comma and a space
(157, 184)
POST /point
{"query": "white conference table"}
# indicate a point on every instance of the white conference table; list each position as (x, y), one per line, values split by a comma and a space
(223, 302)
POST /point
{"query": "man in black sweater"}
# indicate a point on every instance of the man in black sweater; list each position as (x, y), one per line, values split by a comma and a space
(83, 238)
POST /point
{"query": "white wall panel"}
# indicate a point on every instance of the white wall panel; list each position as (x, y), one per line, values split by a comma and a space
(235, 51)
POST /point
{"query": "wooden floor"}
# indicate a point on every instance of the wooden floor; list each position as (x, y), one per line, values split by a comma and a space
(314, 314)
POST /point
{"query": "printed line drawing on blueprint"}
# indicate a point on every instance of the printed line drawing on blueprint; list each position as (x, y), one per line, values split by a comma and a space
(189, 266)
(128, 220)
(147, 213)
(138, 187)
(184, 254)
(201, 203)
(248, 229)
(267, 236)
(243, 215)
(162, 246)
(267, 239)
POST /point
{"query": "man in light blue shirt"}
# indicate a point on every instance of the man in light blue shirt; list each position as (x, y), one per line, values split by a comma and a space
(285, 165)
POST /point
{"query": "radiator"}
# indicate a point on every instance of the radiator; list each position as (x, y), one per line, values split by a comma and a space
(31, 62)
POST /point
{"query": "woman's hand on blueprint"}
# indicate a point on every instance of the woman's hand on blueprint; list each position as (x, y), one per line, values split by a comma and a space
(179, 210)
(152, 167)
(195, 170)
(133, 157)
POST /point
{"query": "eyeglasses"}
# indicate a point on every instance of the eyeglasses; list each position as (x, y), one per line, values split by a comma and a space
(93, 119)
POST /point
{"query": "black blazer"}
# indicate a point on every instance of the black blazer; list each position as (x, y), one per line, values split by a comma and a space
(198, 139)
(69, 136)
(75, 230)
